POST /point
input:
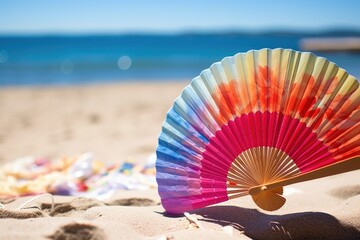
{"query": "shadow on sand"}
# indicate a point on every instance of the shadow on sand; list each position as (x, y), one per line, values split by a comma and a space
(258, 225)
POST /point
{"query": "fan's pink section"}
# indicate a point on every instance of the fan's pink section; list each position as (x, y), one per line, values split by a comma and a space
(183, 204)
(263, 130)
(245, 132)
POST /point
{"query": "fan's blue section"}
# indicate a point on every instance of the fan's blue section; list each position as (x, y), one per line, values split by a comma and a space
(183, 126)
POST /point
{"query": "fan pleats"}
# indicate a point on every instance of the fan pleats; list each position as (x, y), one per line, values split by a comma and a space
(255, 118)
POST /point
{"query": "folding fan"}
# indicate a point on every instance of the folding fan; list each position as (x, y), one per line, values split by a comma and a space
(254, 123)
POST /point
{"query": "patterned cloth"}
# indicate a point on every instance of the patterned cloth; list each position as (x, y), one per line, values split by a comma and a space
(79, 176)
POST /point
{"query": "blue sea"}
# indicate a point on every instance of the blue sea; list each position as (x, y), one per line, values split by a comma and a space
(59, 60)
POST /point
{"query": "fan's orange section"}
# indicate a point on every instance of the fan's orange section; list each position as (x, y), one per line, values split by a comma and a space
(228, 99)
(332, 114)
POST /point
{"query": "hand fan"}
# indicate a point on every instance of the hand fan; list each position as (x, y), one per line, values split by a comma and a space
(254, 123)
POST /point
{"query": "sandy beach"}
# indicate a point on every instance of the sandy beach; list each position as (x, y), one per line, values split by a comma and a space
(114, 121)
(118, 122)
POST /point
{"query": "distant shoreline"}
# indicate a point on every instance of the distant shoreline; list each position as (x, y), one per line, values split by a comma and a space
(190, 32)
(328, 44)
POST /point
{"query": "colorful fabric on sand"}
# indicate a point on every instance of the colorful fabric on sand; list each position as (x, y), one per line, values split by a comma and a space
(79, 176)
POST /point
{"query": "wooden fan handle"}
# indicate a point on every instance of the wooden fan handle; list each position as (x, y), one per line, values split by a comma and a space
(336, 168)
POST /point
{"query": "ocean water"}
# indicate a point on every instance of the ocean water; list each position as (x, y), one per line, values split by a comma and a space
(57, 60)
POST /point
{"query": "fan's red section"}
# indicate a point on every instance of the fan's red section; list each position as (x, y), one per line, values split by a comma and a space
(268, 130)
(260, 129)
(267, 92)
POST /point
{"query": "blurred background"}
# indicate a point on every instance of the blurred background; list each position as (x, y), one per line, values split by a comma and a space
(98, 77)
(76, 42)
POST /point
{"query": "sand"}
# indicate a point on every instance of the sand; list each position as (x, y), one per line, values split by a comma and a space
(121, 121)
(115, 122)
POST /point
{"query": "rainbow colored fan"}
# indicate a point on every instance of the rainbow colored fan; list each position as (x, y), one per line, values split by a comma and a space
(256, 122)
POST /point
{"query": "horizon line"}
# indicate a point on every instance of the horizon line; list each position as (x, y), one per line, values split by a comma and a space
(275, 30)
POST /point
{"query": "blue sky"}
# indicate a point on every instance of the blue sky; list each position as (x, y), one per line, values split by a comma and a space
(110, 16)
